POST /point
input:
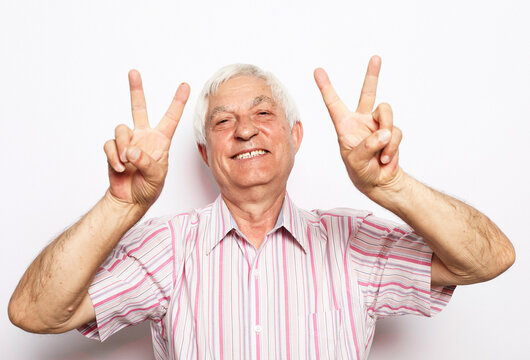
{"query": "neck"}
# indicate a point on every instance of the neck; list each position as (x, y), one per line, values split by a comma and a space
(255, 212)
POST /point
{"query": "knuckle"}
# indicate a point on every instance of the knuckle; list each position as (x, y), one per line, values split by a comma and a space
(122, 128)
(370, 143)
(385, 107)
(368, 93)
(108, 145)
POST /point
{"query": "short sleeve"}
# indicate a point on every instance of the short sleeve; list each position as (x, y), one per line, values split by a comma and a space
(393, 266)
(135, 282)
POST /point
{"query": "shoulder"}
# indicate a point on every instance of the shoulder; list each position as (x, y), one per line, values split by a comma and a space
(337, 216)
(356, 222)
(185, 221)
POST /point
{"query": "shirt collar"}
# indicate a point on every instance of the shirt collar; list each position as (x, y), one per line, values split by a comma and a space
(222, 222)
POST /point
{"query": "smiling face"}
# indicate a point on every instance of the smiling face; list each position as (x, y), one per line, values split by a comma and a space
(249, 143)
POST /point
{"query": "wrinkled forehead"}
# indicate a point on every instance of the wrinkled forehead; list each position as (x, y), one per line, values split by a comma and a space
(240, 90)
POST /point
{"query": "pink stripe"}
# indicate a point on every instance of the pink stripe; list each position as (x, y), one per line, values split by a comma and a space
(146, 240)
(221, 349)
(382, 256)
(388, 267)
(221, 345)
(178, 302)
(348, 292)
(336, 215)
(258, 355)
(393, 283)
(331, 273)
(315, 334)
(324, 224)
(197, 294)
(239, 306)
(117, 262)
(370, 338)
(286, 298)
(172, 231)
(133, 287)
(403, 297)
(403, 238)
(397, 308)
(127, 313)
(381, 227)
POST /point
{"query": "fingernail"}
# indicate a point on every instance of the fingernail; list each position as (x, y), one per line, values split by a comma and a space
(385, 159)
(123, 155)
(134, 153)
(384, 135)
(119, 167)
(320, 75)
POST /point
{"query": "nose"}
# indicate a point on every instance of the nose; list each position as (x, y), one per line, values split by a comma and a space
(246, 129)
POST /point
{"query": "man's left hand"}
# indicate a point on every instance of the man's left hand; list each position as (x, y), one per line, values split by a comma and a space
(368, 139)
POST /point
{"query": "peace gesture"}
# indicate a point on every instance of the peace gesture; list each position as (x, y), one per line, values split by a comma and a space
(368, 140)
(138, 158)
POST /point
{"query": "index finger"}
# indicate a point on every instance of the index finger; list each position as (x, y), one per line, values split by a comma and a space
(369, 89)
(138, 107)
(169, 122)
(337, 109)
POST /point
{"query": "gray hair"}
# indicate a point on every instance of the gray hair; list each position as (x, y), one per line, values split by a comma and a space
(279, 93)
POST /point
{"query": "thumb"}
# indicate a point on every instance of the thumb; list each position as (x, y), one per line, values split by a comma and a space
(152, 171)
(371, 145)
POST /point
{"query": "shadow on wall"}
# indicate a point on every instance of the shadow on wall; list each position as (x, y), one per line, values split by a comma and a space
(132, 343)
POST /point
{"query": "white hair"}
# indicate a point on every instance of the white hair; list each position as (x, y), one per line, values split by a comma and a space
(279, 94)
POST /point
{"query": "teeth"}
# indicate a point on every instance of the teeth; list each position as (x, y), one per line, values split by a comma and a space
(250, 154)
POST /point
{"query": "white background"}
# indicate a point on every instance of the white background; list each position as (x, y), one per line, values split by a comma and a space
(456, 73)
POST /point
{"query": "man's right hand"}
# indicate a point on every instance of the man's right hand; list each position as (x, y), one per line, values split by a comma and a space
(138, 158)
(52, 296)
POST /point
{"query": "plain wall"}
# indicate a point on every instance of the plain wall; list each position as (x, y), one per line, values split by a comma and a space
(455, 72)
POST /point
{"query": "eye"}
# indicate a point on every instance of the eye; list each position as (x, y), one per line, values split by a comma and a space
(263, 113)
(221, 121)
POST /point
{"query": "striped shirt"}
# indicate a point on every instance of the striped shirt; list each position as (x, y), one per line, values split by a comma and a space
(313, 290)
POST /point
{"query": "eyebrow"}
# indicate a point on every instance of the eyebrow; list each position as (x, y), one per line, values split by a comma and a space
(257, 100)
(261, 99)
(216, 110)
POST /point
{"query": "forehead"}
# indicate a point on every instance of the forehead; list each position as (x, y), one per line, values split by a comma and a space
(240, 90)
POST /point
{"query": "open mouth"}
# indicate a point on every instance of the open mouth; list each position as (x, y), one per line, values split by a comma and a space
(249, 154)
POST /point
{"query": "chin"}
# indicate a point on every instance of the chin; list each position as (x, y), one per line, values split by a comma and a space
(252, 182)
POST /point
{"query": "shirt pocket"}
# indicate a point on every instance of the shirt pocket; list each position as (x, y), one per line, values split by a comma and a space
(324, 334)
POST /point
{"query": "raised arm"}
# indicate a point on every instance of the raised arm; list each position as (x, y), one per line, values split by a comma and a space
(52, 296)
(468, 247)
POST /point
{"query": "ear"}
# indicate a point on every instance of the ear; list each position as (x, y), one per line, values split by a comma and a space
(204, 153)
(297, 133)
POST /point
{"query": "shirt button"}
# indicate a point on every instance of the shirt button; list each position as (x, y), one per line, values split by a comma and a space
(256, 273)
(257, 328)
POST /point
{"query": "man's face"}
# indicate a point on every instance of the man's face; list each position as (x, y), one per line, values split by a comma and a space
(249, 142)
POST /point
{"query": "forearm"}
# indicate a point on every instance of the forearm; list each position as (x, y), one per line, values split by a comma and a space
(466, 241)
(57, 281)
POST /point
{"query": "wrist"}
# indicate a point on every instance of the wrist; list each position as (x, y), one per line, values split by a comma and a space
(394, 194)
(122, 208)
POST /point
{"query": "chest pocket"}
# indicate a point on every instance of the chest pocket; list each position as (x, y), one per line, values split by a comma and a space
(324, 334)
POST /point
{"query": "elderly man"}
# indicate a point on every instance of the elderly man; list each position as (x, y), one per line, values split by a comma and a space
(252, 275)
